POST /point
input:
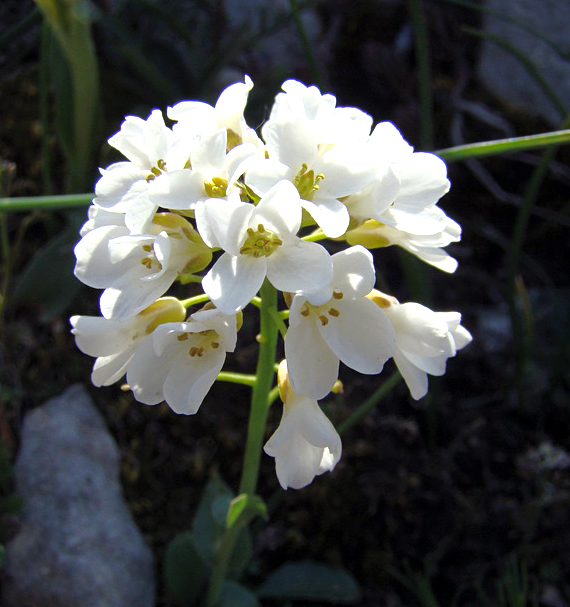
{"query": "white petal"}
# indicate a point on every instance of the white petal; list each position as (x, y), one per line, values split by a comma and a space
(300, 267)
(312, 365)
(121, 303)
(234, 281)
(346, 170)
(362, 336)
(291, 143)
(146, 373)
(415, 378)
(190, 379)
(279, 210)
(178, 189)
(423, 179)
(263, 174)
(331, 215)
(354, 273)
(109, 369)
(223, 223)
(120, 187)
(208, 158)
(231, 104)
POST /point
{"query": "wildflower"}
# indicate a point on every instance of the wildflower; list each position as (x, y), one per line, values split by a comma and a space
(259, 241)
(424, 339)
(135, 270)
(337, 324)
(306, 443)
(153, 152)
(428, 248)
(180, 361)
(114, 342)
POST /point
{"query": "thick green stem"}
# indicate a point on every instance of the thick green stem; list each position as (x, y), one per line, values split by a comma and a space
(265, 371)
(268, 335)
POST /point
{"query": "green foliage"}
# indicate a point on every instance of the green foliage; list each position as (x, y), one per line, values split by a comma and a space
(236, 595)
(308, 580)
(184, 571)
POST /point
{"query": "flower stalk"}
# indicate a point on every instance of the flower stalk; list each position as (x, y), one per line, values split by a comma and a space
(260, 402)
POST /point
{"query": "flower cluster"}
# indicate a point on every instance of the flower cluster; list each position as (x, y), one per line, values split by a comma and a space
(209, 184)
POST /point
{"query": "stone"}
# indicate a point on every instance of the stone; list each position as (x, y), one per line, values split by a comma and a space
(506, 77)
(77, 545)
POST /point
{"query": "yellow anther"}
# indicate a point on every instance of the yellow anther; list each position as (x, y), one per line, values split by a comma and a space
(334, 312)
(161, 164)
(182, 337)
(260, 242)
(306, 182)
(156, 171)
(217, 188)
(150, 177)
(215, 345)
(338, 294)
(147, 262)
(147, 248)
(324, 320)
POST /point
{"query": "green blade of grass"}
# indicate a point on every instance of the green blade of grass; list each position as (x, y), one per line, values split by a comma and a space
(503, 146)
(50, 203)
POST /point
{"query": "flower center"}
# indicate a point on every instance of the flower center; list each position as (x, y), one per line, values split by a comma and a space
(307, 182)
(200, 342)
(217, 188)
(325, 312)
(260, 243)
(150, 261)
(157, 170)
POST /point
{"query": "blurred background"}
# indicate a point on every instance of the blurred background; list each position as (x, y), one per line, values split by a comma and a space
(459, 499)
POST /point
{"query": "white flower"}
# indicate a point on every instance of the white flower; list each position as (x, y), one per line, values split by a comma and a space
(114, 342)
(305, 444)
(338, 323)
(259, 241)
(329, 125)
(428, 248)
(320, 177)
(198, 118)
(213, 173)
(180, 361)
(153, 152)
(424, 340)
(137, 270)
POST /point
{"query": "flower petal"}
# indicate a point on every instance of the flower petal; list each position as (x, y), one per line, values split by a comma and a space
(234, 281)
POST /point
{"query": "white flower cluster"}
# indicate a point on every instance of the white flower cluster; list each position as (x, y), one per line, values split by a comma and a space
(208, 184)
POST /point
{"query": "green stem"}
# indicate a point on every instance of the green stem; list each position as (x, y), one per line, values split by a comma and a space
(51, 203)
(503, 146)
(370, 402)
(265, 371)
(237, 378)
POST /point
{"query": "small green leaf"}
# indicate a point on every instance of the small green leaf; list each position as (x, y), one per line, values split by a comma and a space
(185, 572)
(236, 595)
(246, 506)
(48, 280)
(307, 580)
(209, 520)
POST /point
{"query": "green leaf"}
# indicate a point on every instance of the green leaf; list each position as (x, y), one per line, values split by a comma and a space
(307, 580)
(185, 572)
(209, 526)
(236, 595)
(247, 507)
(48, 280)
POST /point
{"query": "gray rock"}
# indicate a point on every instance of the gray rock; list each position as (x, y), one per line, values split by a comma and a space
(505, 76)
(78, 545)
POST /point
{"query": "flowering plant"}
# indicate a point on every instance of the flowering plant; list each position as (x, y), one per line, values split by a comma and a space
(264, 207)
